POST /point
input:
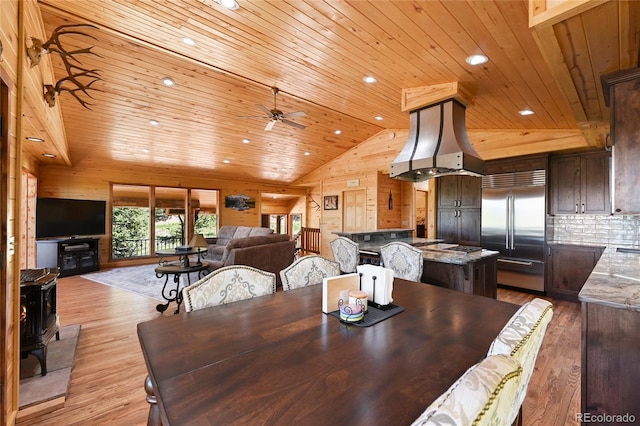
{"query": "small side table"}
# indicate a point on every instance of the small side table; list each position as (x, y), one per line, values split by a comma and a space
(176, 269)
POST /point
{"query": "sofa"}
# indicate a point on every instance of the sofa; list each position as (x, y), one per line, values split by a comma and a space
(271, 253)
(228, 233)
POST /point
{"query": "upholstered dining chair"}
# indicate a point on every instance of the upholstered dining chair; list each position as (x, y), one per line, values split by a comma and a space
(521, 339)
(404, 259)
(483, 395)
(228, 284)
(308, 270)
(347, 253)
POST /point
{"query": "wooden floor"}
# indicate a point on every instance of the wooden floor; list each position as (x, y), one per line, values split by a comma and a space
(107, 380)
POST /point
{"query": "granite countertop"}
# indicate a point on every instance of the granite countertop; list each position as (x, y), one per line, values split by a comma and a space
(374, 246)
(614, 282)
(377, 231)
(456, 257)
(432, 251)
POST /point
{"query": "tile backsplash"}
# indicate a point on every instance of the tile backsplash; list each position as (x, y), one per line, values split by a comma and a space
(609, 230)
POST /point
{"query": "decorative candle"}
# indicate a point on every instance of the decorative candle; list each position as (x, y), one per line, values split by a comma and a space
(358, 297)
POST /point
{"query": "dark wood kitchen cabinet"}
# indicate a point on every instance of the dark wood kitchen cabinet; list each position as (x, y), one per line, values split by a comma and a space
(579, 184)
(622, 91)
(568, 268)
(459, 214)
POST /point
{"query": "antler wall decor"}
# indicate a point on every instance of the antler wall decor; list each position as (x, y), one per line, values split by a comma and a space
(79, 76)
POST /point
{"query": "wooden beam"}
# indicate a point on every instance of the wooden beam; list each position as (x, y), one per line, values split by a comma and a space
(548, 12)
(418, 97)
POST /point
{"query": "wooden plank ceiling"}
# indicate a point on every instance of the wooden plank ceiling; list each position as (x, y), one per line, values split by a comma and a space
(317, 53)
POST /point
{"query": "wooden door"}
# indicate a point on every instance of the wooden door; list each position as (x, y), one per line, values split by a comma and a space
(594, 172)
(448, 192)
(565, 184)
(353, 210)
(470, 191)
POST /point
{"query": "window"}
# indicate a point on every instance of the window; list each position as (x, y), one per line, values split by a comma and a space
(136, 233)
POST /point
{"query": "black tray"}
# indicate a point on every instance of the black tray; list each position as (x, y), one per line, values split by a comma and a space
(373, 315)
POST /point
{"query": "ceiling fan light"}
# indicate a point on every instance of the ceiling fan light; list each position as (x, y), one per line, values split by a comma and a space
(229, 4)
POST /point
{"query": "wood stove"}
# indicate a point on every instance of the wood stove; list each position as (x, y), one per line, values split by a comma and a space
(38, 317)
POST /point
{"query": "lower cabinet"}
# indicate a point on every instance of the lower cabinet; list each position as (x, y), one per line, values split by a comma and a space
(610, 357)
(568, 268)
(477, 277)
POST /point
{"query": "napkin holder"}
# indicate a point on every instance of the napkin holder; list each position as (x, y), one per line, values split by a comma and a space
(377, 282)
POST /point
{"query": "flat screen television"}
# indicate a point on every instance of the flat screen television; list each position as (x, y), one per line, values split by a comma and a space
(63, 217)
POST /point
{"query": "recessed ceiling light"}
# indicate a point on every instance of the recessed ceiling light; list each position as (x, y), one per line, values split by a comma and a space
(168, 81)
(245, 141)
(379, 118)
(229, 4)
(146, 150)
(526, 111)
(477, 59)
(49, 155)
(337, 132)
(154, 122)
(188, 41)
(370, 79)
(307, 153)
(34, 139)
(226, 161)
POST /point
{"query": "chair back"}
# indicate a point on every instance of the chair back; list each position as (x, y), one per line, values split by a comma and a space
(521, 339)
(308, 270)
(226, 285)
(483, 395)
(404, 259)
(347, 253)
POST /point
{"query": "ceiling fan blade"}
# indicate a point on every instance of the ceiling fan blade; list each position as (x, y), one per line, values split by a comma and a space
(265, 109)
(293, 124)
(254, 116)
(270, 125)
(294, 114)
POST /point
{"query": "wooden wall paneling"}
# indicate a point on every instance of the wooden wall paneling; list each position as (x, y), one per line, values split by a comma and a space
(34, 79)
(27, 257)
(230, 216)
(11, 35)
(389, 216)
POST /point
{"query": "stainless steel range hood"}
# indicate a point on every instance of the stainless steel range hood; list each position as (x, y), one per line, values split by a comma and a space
(437, 145)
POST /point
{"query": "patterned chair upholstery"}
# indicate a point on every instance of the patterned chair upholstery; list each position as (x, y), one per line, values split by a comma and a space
(521, 339)
(483, 395)
(226, 285)
(308, 270)
(347, 253)
(404, 259)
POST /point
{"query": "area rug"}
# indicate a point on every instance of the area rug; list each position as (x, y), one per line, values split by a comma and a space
(36, 389)
(140, 280)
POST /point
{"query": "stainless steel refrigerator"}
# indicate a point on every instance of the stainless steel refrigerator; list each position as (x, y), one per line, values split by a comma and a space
(513, 223)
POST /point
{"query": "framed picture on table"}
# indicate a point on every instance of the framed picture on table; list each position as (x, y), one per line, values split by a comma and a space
(331, 202)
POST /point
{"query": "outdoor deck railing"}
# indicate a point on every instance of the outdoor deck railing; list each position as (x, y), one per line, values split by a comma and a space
(140, 247)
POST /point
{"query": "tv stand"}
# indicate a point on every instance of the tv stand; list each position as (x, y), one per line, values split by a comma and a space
(72, 256)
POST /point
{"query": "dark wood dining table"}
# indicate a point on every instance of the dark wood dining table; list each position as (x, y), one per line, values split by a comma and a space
(279, 360)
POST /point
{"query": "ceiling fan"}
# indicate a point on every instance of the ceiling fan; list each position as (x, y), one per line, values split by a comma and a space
(274, 115)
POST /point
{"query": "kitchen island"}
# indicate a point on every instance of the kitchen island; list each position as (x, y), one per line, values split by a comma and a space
(473, 272)
(610, 345)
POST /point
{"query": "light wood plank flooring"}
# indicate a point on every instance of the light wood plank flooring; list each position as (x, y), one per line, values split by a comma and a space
(109, 372)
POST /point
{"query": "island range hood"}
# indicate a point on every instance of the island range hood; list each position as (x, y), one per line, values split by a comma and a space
(437, 145)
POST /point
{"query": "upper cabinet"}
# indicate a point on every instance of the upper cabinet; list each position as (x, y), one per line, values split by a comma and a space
(622, 90)
(579, 184)
(459, 202)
